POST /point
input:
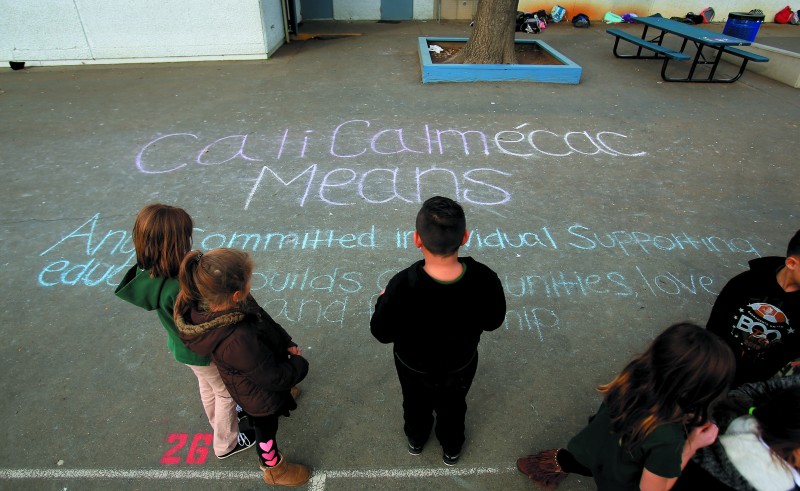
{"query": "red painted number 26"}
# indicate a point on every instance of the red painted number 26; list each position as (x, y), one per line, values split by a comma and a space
(198, 450)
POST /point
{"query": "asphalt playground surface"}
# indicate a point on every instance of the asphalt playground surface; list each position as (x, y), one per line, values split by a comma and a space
(610, 209)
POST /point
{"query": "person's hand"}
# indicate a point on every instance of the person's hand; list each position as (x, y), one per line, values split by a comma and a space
(295, 350)
(702, 436)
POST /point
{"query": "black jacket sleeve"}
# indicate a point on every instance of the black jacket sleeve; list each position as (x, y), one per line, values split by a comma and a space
(495, 313)
(387, 319)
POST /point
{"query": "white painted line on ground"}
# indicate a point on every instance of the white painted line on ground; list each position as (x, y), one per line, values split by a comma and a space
(154, 474)
(317, 482)
(415, 473)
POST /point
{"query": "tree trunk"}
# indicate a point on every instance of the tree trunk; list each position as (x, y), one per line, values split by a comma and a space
(492, 40)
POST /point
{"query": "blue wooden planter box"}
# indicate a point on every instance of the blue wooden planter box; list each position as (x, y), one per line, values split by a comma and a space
(566, 73)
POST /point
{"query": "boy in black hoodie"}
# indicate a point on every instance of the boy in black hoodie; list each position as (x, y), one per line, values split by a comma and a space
(758, 314)
(435, 312)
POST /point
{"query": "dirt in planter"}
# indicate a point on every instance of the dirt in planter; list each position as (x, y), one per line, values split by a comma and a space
(527, 53)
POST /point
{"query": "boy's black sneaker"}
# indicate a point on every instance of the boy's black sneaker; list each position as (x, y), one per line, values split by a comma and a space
(414, 449)
(450, 459)
(246, 440)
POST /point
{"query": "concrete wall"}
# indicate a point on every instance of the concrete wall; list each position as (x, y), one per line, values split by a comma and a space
(56, 32)
(423, 9)
(272, 22)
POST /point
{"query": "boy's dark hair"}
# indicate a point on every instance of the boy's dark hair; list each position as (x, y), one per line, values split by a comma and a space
(794, 245)
(441, 224)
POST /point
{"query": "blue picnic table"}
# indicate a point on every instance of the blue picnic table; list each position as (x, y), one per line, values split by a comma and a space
(705, 41)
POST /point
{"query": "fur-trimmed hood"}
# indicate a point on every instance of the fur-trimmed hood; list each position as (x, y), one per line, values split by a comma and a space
(188, 329)
(203, 338)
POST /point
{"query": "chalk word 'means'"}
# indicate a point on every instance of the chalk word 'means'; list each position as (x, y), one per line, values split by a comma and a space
(357, 138)
(345, 186)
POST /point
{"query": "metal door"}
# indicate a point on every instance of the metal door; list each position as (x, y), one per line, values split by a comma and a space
(316, 9)
(397, 9)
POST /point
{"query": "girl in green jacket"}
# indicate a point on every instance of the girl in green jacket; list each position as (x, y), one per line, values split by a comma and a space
(162, 235)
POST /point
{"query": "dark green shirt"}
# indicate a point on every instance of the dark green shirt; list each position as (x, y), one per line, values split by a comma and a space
(616, 468)
(159, 294)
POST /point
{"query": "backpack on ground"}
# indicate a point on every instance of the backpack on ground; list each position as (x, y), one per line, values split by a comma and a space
(558, 13)
(692, 18)
(581, 20)
(785, 15)
(531, 23)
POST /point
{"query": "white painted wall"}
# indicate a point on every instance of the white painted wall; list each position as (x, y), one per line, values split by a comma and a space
(108, 31)
(272, 23)
(423, 9)
(52, 32)
(29, 30)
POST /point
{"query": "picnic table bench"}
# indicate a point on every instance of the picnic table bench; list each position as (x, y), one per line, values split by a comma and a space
(702, 39)
(659, 51)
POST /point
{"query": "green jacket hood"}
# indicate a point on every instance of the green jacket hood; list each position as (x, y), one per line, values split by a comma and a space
(140, 289)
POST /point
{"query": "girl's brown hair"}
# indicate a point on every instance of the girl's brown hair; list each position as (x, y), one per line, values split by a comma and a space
(209, 279)
(685, 369)
(162, 235)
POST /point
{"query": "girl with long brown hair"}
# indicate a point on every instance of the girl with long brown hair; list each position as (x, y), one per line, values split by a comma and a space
(653, 418)
(162, 235)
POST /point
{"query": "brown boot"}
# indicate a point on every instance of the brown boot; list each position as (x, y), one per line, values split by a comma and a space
(543, 468)
(286, 474)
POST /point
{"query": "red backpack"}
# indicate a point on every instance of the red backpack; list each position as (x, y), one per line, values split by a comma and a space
(784, 16)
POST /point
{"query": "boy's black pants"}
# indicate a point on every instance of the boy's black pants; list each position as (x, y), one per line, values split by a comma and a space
(444, 395)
